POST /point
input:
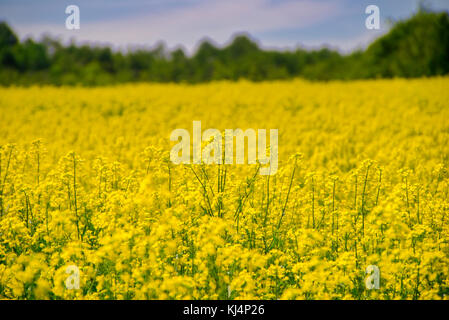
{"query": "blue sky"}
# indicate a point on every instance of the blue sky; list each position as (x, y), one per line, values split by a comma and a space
(279, 24)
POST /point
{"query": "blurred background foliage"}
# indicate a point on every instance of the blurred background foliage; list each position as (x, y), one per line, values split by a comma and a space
(416, 47)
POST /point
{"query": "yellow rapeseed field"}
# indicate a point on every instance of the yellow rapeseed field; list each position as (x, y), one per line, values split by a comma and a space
(86, 183)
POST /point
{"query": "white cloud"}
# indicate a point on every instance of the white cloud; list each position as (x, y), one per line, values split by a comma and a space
(186, 25)
(345, 44)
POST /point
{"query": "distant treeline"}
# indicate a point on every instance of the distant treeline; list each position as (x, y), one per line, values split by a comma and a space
(415, 47)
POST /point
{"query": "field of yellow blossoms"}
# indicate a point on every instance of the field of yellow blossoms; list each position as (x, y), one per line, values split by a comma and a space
(86, 183)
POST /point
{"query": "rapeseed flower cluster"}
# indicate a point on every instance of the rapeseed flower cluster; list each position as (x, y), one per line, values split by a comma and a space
(86, 181)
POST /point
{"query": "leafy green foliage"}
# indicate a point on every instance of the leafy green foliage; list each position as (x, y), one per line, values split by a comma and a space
(415, 47)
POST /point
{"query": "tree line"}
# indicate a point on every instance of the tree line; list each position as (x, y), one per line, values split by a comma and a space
(415, 47)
